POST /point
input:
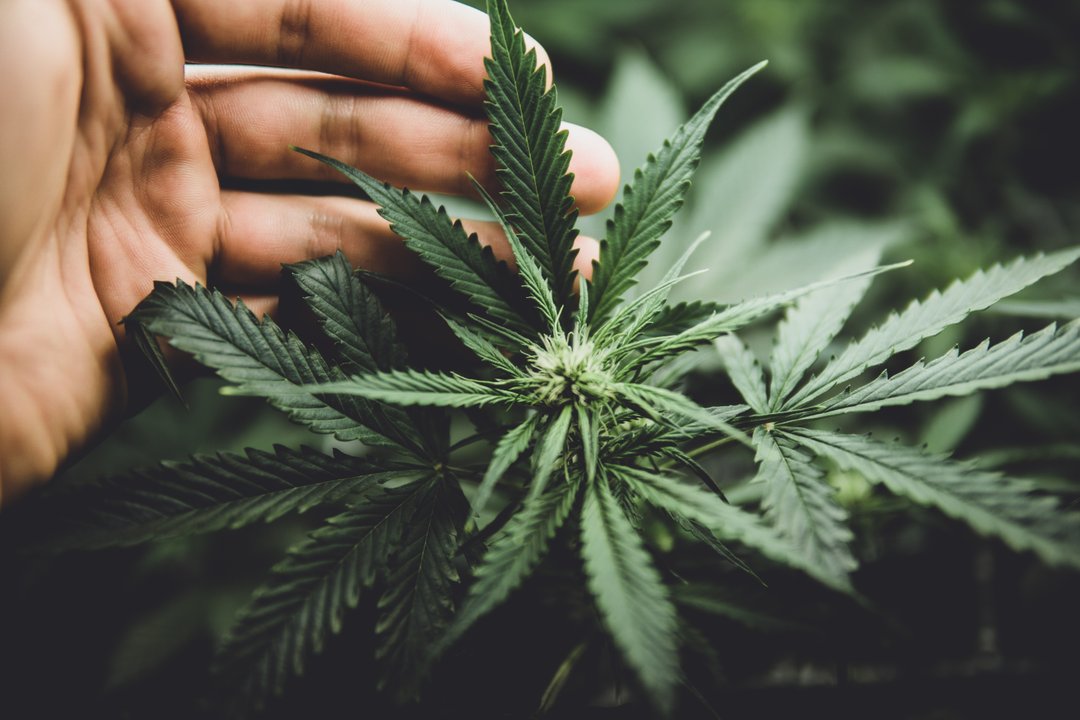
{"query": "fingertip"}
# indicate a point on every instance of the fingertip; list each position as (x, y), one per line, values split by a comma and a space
(588, 252)
(595, 167)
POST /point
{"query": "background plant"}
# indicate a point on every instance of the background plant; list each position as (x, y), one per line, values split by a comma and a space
(827, 242)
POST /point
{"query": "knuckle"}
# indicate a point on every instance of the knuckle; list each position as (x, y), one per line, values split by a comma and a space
(294, 32)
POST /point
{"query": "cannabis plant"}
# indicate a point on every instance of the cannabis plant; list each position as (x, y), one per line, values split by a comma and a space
(577, 390)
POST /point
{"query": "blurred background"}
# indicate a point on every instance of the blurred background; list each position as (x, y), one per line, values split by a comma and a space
(942, 131)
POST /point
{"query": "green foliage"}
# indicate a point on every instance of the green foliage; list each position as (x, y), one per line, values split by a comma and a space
(630, 593)
(649, 204)
(309, 592)
(529, 147)
(594, 443)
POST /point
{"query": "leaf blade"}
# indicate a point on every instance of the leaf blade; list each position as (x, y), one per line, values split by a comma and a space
(1020, 358)
(630, 594)
(650, 202)
(922, 319)
(992, 504)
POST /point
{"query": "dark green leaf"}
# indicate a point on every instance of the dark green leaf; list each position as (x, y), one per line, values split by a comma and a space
(530, 149)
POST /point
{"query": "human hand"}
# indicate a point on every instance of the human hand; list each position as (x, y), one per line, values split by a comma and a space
(117, 167)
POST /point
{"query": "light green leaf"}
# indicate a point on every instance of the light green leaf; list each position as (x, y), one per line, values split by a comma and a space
(548, 454)
(829, 249)
(510, 447)
(801, 506)
(630, 594)
(641, 105)
(990, 503)
(655, 400)
(806, 330)
(1050, 351)
(744, 370)
(924, 319)
(417, 387)
(744, 192)
(531, 274)
(650, 202)
(726, 522)
(481, 346)
(589, 430)
(736, 316)
(633, 317)
(1066, 309)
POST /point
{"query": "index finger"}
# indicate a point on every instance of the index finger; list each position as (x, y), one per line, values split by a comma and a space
(434, 47)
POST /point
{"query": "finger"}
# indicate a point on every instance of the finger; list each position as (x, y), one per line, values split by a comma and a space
(260, 232)
(434, 47)
(394, 136)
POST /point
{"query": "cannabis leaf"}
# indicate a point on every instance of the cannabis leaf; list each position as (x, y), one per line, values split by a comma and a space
(990, 503)
(629, 592)
(800, 504)
(530, 149)
(921, 320)
(309, 592)
(442, 243)
(649, 203)
(212, 492)
(349, 313)
(418, 604)
(268, 362)
(1048, 352)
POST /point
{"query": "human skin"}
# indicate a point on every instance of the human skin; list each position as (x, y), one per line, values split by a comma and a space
(113, 158)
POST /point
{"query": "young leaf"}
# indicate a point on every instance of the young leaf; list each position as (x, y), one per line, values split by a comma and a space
(416, 387)
(481, 346)
(531, 274)
(305, 600)
(650, 202)
(442, 243)
(990, 503)
(530, 149)
(924, 319)
(268, 362)
(674, 319)
(205, 494)
(633, 317)
(1019, 359)
(417, 605)
(549, 450)
(653, 401)
(512, 555)
(630, 594)
(736, 316)
(800, 505)
(509, 449)
(581, 315)
(349, 313)
(589, 430)
(745, 372)
(726, 522)
(806, 330)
